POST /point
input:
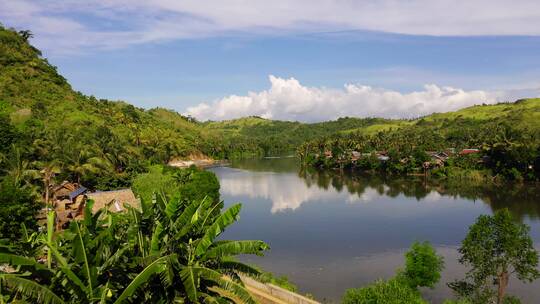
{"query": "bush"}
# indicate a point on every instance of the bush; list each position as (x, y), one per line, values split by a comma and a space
(511, 300)
(191, 184)
(422, 265)
(145, 184)
(393, 291)
(17, 205)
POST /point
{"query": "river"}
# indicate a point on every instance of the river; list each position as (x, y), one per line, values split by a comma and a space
(331, 230)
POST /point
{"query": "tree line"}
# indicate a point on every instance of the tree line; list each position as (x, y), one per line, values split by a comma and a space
(504, 150)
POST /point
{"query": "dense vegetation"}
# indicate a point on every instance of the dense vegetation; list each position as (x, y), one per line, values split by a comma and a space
(255, 136)
(190, 183)
(166, 252)
(103, 144)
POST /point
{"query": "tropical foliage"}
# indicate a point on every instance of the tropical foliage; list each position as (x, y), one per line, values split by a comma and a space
(190, 183)
(392, 291)
(165, 252)
(18, 204)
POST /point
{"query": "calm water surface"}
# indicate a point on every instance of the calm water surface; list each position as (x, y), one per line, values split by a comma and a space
(330, 231)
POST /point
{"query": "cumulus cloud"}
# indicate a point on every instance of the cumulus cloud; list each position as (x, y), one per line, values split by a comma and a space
(288, 99)
(72, 24)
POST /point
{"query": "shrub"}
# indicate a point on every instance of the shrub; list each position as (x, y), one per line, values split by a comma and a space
(422, 265)
(191, 184)
(17, 205)
(393, 291)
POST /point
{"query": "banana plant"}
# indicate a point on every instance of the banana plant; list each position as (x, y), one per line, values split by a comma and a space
(79, 266)
(196, 266)
(166, 252)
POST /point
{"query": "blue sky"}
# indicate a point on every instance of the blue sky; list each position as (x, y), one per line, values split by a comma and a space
(203, 57)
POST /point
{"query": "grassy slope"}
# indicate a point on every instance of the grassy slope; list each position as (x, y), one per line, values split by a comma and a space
(522, 114)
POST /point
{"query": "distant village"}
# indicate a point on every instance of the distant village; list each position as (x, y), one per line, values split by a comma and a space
(438, 158)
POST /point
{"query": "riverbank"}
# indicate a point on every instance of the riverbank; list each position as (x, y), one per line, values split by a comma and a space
(199, 161)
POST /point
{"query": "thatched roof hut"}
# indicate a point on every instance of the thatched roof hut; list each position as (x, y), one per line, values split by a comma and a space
(63, 190)
(116, 198)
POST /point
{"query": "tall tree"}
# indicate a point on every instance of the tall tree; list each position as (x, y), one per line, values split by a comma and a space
(495, 248)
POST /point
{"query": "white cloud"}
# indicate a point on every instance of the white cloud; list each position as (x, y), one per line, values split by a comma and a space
(72, 24)
(288, 99)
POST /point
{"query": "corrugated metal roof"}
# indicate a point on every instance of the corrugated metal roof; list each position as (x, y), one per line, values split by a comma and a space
(77, 192)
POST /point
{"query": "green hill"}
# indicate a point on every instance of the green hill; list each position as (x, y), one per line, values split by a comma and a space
(275, 137)
(259, 136)
(53, 122)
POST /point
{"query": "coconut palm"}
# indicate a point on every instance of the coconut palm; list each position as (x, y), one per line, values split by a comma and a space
(47, 171)
(81, 162)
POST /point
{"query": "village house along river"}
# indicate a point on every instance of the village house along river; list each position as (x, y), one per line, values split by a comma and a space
(330, 231)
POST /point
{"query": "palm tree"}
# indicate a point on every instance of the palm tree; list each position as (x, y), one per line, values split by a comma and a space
(18, 168)
(81, 162)
(48, 169)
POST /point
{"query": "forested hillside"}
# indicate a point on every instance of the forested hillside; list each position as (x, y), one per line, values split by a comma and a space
(99, 141)
(259, 136)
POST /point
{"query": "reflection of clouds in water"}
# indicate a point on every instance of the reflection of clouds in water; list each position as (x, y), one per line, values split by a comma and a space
(368, 195)
(433, 196)
(288, 191)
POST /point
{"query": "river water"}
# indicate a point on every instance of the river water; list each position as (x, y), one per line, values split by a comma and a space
(332, 230)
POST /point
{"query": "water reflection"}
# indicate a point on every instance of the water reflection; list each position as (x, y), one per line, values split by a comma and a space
(258, 179)
(523, 200)
(332, 230)
(286, 191)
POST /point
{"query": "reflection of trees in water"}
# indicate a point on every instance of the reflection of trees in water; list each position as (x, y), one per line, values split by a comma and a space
(521, 199)
(278, 165)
